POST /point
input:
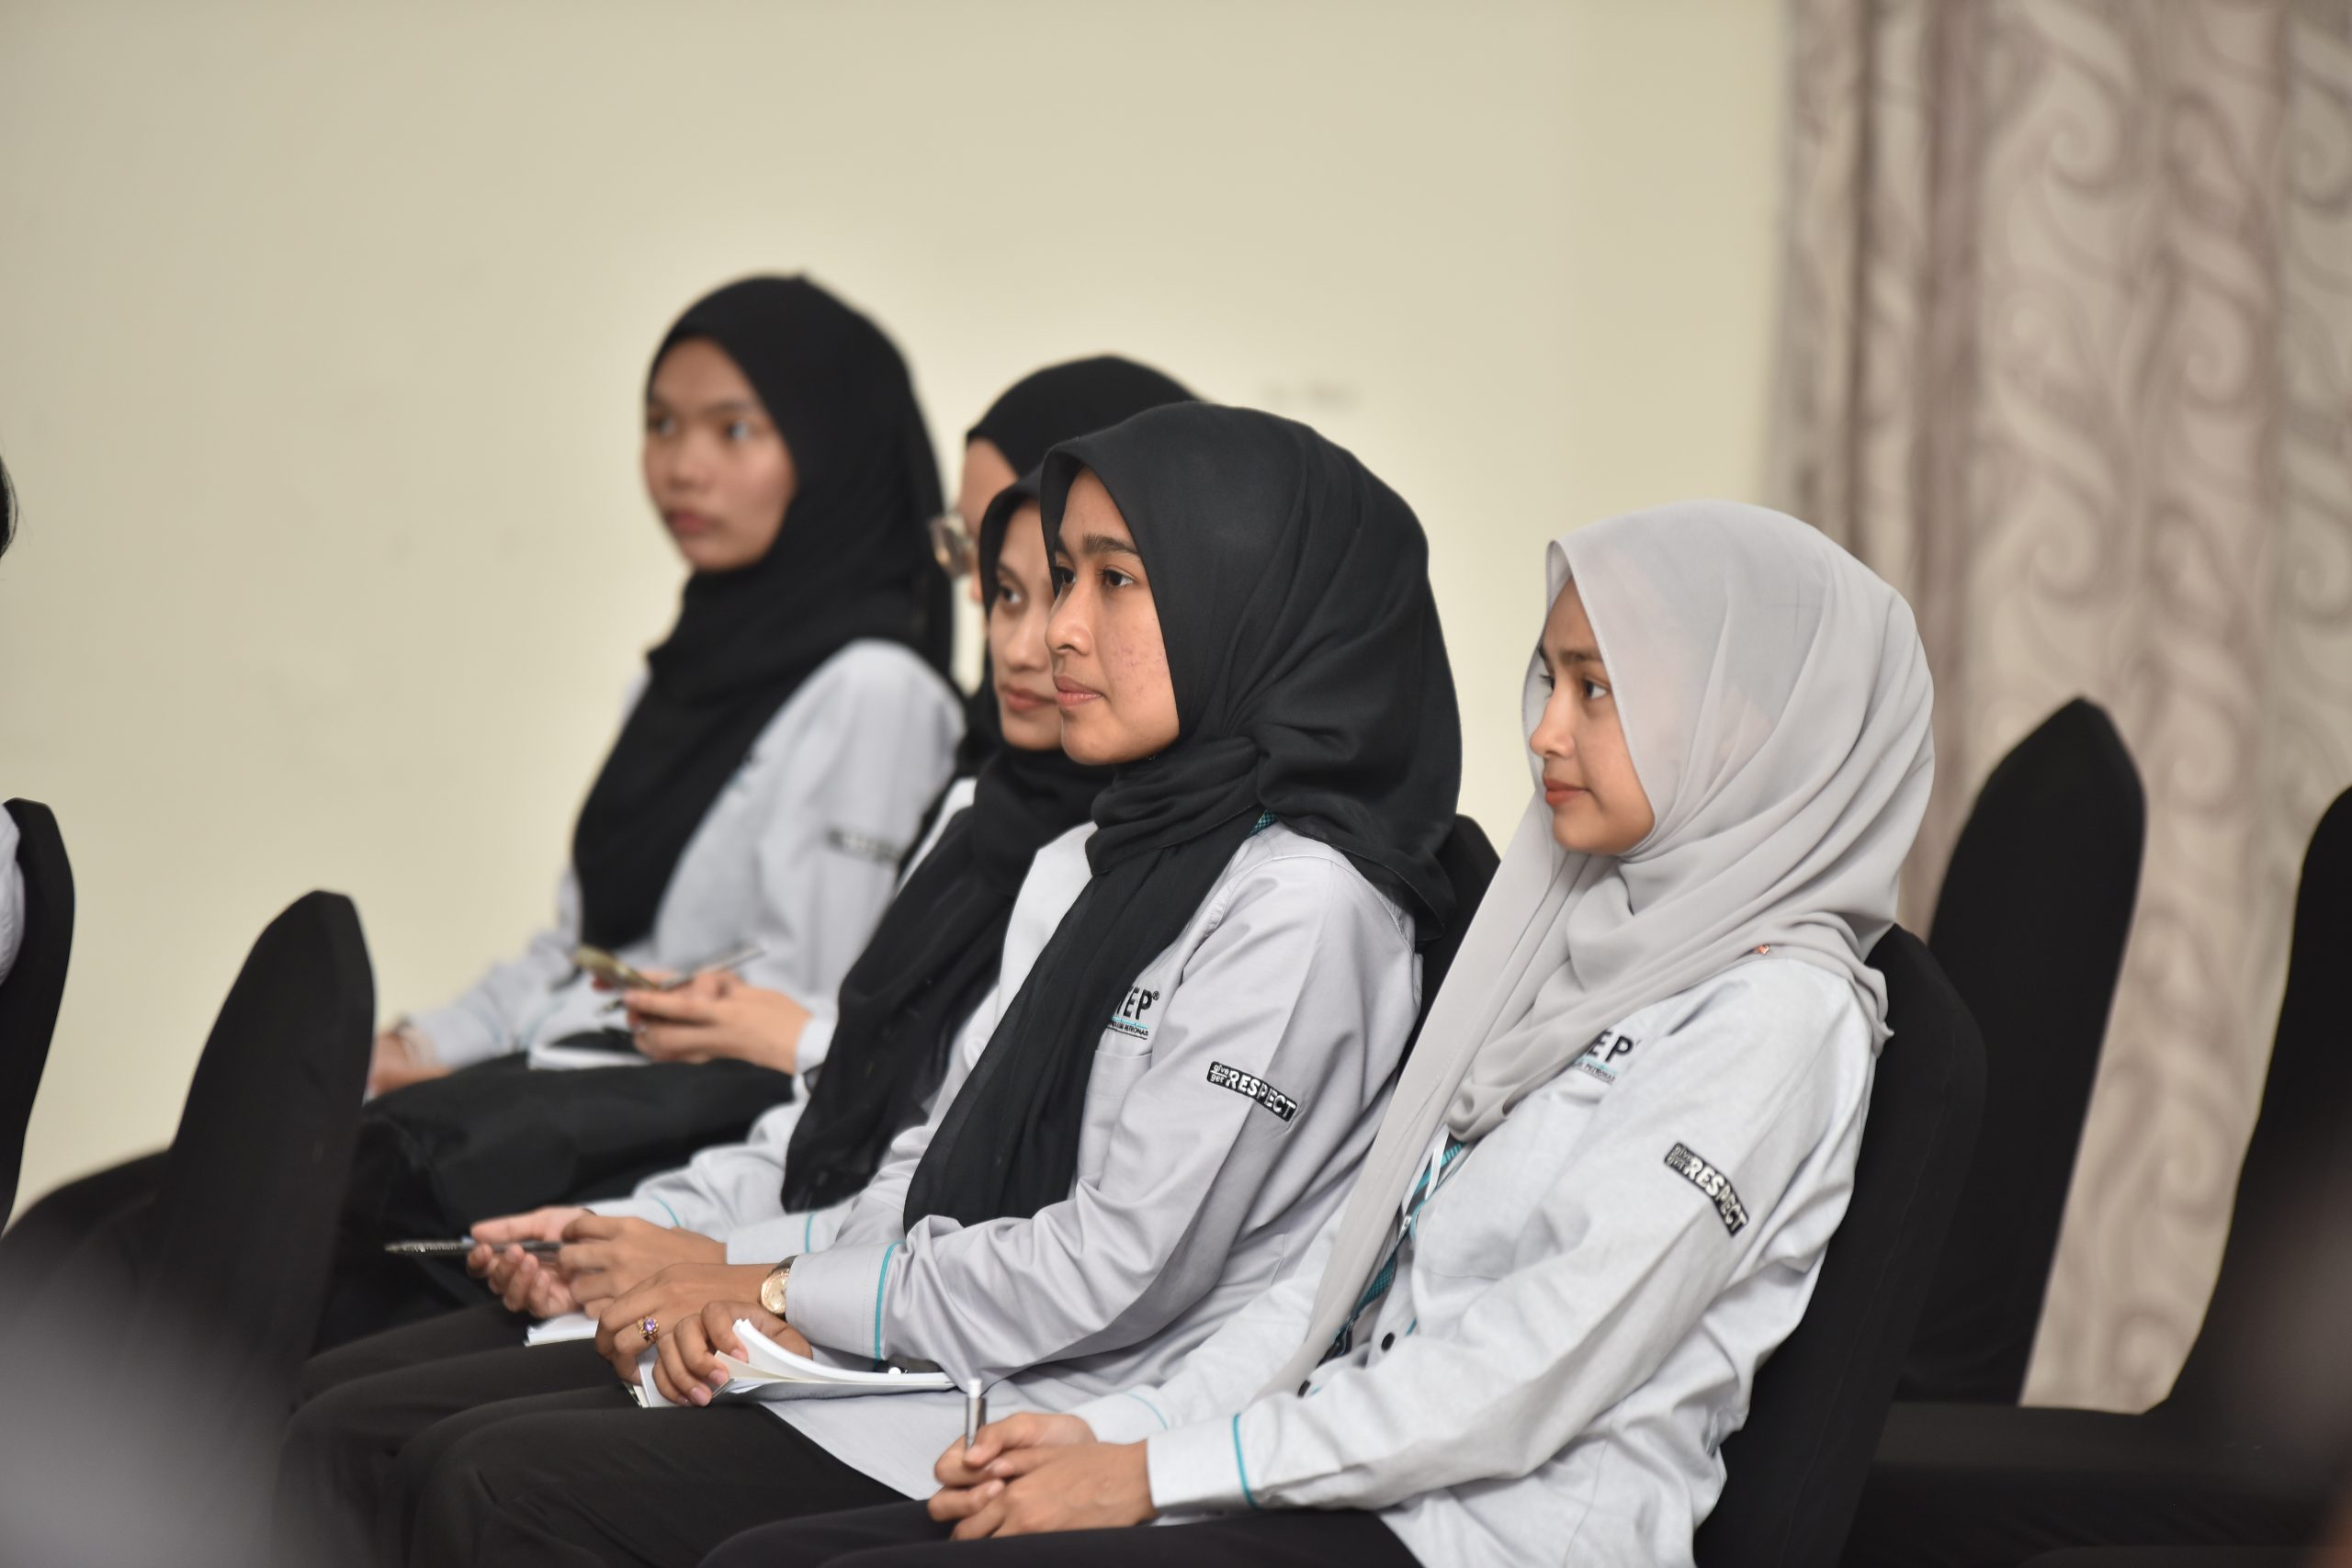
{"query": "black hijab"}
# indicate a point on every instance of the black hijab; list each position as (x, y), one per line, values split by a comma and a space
(938, 947)
(1060, 404)
(851, 562)
(1311, 682)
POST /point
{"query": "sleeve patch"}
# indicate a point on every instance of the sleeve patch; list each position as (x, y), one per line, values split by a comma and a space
(864, 846)
(1254, 1088)
(1712, 1182)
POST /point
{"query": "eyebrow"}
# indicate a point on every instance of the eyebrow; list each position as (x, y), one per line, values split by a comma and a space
(726, 405)
(1107, 545)
(1569, 655)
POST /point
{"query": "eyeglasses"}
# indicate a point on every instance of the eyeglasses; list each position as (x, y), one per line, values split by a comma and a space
(952, 545)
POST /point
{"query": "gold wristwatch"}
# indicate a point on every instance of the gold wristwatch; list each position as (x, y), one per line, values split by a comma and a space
(771, 1289)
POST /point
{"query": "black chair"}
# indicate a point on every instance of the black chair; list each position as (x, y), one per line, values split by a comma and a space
(1973, 1487)
(2030, 927)
(35, 983)
(1468, 859)
(155, 1436)
(1793, 1471)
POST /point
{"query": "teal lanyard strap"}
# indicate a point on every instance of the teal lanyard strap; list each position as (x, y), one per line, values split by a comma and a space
(1423, 1190)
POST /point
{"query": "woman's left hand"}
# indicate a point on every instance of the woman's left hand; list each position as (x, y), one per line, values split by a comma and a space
(687, 1370)
(717, 1015)
(672, 1296)
(1036, 1490)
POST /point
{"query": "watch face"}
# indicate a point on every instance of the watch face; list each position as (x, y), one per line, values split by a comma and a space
(771, 1289)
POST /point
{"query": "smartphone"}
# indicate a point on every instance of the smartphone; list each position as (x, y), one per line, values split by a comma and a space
(613, 971)
(464, 1245)
(628, 977)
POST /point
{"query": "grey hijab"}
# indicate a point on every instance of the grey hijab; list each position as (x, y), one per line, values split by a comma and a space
(1775, 700)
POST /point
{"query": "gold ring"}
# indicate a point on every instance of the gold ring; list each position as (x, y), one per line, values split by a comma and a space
(650, 1328)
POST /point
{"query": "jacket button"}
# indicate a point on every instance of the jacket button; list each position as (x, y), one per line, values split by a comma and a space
(1387, 1341)
(1303, 1387)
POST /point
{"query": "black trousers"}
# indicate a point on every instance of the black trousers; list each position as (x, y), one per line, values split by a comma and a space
(583, 1479)
(462, 1331)
(361, 1406)
(903, 1536)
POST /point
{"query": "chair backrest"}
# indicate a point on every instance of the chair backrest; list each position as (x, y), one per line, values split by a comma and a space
(36, 984)
(233, 1266)
(2296, 1160)
(1795, 1472)
(1468, 859)
(2029, 927)
(268, 1126)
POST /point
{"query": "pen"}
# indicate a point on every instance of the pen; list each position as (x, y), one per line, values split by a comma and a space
(975, 1410)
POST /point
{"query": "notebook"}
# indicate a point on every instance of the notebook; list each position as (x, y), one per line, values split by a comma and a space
(767, 1371)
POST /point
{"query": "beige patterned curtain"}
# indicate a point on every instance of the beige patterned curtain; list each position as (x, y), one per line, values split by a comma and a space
(2066, 354)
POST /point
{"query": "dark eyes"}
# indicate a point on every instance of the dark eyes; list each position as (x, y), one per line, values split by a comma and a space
(1111, 578)
(738, 430)
(1593, 690)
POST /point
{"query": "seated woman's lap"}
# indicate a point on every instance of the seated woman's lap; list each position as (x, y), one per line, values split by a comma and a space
(904, 1536)
(632, 1485)
(463, 1331)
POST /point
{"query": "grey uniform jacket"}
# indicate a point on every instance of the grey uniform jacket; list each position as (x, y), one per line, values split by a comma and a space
(1233, 1095)
(1580, 1306)
(798, 853)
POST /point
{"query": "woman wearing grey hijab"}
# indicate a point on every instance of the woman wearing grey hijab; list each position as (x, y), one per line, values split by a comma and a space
(1605, 1185)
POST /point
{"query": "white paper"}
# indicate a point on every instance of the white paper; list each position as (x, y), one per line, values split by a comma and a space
(768, 1371)
(560, 1329)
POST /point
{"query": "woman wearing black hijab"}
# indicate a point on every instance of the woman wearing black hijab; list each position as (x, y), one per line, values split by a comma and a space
(784, 739)
(1176, 1097)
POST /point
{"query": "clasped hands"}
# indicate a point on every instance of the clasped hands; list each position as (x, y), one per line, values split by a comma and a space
(1031, 1473)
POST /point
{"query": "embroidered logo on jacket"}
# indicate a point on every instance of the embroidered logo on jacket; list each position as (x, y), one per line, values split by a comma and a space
(865, 846)
(1132, 1018)
(1599, 1057)
(1256, 1087)
(1712, 1182)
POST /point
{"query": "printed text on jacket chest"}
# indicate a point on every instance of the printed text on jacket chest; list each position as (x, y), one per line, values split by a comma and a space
(1134, 1017)
(1605, 1057)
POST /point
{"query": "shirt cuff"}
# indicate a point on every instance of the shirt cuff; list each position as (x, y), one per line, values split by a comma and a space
(771, 1241)
(459, 1034)
(1198, 1467)
(1128, 1417)
(652, 1211)
(835, 1297)
(816, 1040)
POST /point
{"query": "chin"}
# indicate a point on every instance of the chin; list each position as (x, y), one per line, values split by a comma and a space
(1026, 734)
(1576, 836)
(712, 552)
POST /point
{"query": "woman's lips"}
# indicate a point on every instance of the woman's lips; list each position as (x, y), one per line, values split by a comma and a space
(1070, 695)
(1556, 795)
(688, 523)
(1019, 701)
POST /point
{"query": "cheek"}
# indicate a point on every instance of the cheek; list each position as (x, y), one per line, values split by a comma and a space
(1135, 661)
(757, 486)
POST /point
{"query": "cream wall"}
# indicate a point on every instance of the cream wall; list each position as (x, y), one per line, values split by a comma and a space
(321, 328)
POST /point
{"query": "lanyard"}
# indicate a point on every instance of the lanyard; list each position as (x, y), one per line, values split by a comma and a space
(1444, 1149)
